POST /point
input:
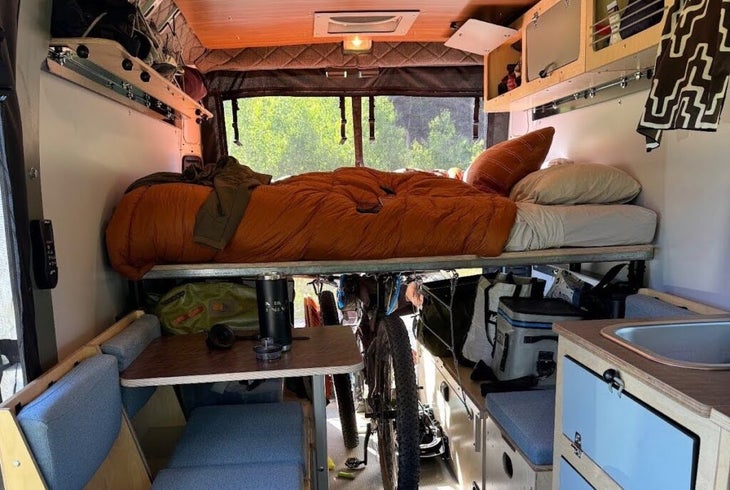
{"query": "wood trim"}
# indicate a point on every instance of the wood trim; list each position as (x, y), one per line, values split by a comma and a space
(33, 389)
(19, 469)
(115, 328)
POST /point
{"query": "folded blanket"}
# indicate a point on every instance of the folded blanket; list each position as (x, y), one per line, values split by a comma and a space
(349, 214)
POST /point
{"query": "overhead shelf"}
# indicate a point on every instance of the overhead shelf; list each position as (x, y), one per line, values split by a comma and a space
(104, 66)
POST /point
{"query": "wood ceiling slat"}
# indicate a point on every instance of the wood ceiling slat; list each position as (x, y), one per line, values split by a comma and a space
(224, 24)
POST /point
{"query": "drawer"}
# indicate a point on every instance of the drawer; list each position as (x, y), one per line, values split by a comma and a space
(570, 479)
(634, 444)
(465, 431)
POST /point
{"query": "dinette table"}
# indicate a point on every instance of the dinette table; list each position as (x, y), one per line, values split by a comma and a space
(315, 352)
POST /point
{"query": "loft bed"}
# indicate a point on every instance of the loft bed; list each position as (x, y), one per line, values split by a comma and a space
(362, 220)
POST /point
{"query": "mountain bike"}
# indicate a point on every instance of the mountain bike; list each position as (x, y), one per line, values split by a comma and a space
(405, 430)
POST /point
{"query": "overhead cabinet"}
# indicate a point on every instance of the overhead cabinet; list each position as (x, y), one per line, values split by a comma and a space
(562, 47)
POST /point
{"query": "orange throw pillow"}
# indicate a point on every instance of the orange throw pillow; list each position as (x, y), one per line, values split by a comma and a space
(499, 167)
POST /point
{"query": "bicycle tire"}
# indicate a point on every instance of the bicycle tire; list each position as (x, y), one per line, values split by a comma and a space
(343, 385)
(396, 399)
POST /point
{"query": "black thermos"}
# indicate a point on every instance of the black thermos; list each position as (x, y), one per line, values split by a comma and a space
(272, 295)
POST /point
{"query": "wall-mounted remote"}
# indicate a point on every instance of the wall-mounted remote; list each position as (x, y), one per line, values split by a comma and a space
(44, 254)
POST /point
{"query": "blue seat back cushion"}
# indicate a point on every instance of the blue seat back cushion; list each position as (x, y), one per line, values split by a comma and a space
(235, 434)
(642, 306)
(528, 419)
(71, 426)
(126, 346)
(130, 342)
(261, 476)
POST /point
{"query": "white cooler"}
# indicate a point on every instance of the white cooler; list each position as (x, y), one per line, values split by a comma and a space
(526, 344)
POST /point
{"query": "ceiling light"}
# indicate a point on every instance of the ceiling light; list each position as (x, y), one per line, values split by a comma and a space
(357, 45)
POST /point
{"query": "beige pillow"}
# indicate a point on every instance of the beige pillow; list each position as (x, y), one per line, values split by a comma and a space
(577, 183)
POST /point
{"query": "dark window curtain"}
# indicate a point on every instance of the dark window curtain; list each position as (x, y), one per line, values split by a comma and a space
(213, 131)
(16, 172)
(443, 81)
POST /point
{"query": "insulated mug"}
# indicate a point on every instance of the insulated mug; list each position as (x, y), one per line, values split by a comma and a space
(272, 297)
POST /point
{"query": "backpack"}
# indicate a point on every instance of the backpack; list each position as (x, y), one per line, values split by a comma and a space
(108, 19)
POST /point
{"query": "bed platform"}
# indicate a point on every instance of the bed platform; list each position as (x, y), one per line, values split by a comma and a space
(407, 264)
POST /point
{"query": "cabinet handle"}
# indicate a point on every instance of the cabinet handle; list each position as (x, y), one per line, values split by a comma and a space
(613, 378)
(576, 444)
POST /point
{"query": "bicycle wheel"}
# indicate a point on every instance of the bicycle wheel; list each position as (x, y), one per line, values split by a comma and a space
(343, 386)
(396, 406)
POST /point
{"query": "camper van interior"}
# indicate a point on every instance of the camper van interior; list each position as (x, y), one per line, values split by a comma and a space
(320, 244)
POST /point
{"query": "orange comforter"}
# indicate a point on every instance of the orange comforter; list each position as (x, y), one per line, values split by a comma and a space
(351, 213)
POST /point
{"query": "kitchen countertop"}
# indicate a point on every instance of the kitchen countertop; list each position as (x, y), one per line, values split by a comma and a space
(701, 391)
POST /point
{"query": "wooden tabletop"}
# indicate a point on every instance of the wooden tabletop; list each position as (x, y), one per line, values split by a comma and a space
(700, 391)
(185, 359)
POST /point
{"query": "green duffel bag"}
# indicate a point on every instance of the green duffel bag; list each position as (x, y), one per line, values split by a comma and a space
(195, 307)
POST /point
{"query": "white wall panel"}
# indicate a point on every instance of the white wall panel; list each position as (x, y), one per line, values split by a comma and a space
(686, 181)
(91, 149)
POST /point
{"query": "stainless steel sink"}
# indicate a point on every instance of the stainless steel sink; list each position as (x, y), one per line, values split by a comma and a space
(688, 344)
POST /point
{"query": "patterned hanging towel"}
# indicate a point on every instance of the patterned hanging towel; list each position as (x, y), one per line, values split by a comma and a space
(691, 72)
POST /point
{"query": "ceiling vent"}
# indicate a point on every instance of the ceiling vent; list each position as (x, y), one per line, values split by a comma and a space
(377, 23)
(476, 36)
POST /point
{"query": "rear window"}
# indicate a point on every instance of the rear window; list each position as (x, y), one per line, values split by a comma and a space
(284, 136)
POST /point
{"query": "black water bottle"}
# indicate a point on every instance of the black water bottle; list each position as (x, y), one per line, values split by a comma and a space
(272, 295)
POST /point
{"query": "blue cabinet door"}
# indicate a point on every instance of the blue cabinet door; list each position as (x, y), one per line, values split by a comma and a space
(636, 446)
(570, 479)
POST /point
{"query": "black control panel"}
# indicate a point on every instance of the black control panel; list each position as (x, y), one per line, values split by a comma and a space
(45, 268)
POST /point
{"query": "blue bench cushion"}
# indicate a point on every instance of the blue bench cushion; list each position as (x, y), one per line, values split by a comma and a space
(261, 476)
(528, 419)
(642, 306)
(72, 425)
(237, 434)
(130, 342)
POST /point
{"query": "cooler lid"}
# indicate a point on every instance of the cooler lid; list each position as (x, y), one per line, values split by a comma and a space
(539, 309)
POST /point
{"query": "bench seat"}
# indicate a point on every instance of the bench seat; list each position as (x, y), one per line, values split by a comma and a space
(261, 476)
(235, 434)
(68, 429)
(528, 418)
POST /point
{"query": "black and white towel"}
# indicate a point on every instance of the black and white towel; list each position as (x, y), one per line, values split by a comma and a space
(691, 73)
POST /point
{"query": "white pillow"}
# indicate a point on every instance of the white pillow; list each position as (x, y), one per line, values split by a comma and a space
(577, 183)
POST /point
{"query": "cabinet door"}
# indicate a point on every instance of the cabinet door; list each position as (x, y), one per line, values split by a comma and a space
(570, 479)
(635, 445)
(552, 40)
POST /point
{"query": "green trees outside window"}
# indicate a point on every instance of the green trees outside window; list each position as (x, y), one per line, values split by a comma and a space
(291, 135)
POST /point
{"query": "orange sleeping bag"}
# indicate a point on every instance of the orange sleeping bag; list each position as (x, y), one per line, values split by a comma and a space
(350, 213)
